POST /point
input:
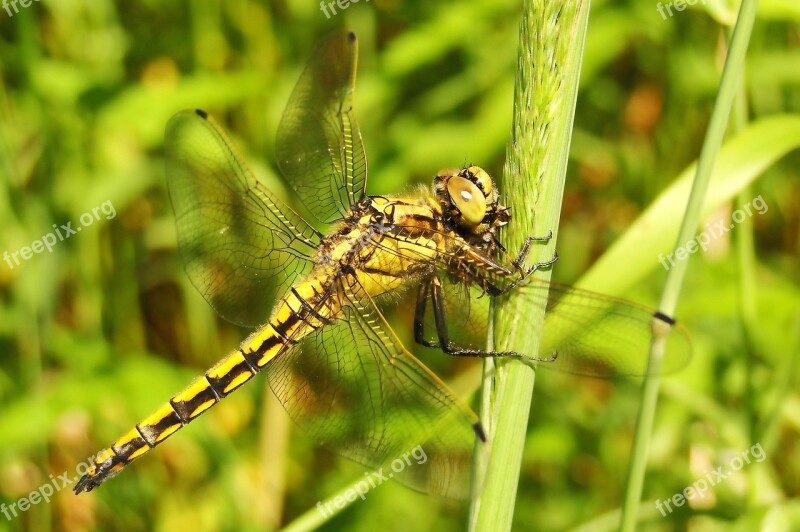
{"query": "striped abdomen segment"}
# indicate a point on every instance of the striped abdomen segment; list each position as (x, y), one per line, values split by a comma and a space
(301, 312)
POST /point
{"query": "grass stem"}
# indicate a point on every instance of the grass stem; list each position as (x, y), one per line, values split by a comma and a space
(550, 51)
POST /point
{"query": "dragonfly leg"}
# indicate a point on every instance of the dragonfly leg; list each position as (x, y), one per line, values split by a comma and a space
(540, 265)
(433, 289)
(524, 275)
(441, 326)
(520, 260)
(419, 317)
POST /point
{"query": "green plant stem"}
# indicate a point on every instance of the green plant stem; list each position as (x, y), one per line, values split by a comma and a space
(324, 511)
(729, 86)
(550, 51)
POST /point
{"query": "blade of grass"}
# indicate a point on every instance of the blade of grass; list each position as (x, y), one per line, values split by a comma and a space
(729, 86)
(550, 51)
(323, 512)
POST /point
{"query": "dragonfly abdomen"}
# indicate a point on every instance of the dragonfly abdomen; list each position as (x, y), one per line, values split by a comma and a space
(203, 393)
(306, 308)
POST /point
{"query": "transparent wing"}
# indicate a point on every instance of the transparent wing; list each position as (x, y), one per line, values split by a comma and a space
(597, 335)
(356, 390)
(241, 247)
(584, 332)
(319, 147)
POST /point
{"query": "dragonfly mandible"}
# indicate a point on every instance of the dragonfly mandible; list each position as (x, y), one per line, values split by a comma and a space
(315, 298)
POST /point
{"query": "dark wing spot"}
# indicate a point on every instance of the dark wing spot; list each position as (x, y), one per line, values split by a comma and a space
(663, 317)
(479, 431)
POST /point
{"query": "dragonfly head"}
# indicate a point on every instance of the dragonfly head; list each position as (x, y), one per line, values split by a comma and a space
(470, 200)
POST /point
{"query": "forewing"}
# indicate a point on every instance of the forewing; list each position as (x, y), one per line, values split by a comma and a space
(319, 147)
(356, 390)
(241, 246)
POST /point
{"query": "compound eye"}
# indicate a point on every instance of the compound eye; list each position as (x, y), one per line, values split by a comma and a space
(483, 179)
(468, 199)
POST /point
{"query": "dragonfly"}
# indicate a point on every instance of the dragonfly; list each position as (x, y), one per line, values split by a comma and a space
(316, 298)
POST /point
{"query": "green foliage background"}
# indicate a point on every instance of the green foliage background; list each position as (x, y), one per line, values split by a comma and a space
(97, 333)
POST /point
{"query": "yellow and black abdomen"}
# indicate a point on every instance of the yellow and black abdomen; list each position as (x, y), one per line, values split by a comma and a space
(308, 306)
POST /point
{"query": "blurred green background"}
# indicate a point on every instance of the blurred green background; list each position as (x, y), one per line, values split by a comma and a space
(104, 328)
